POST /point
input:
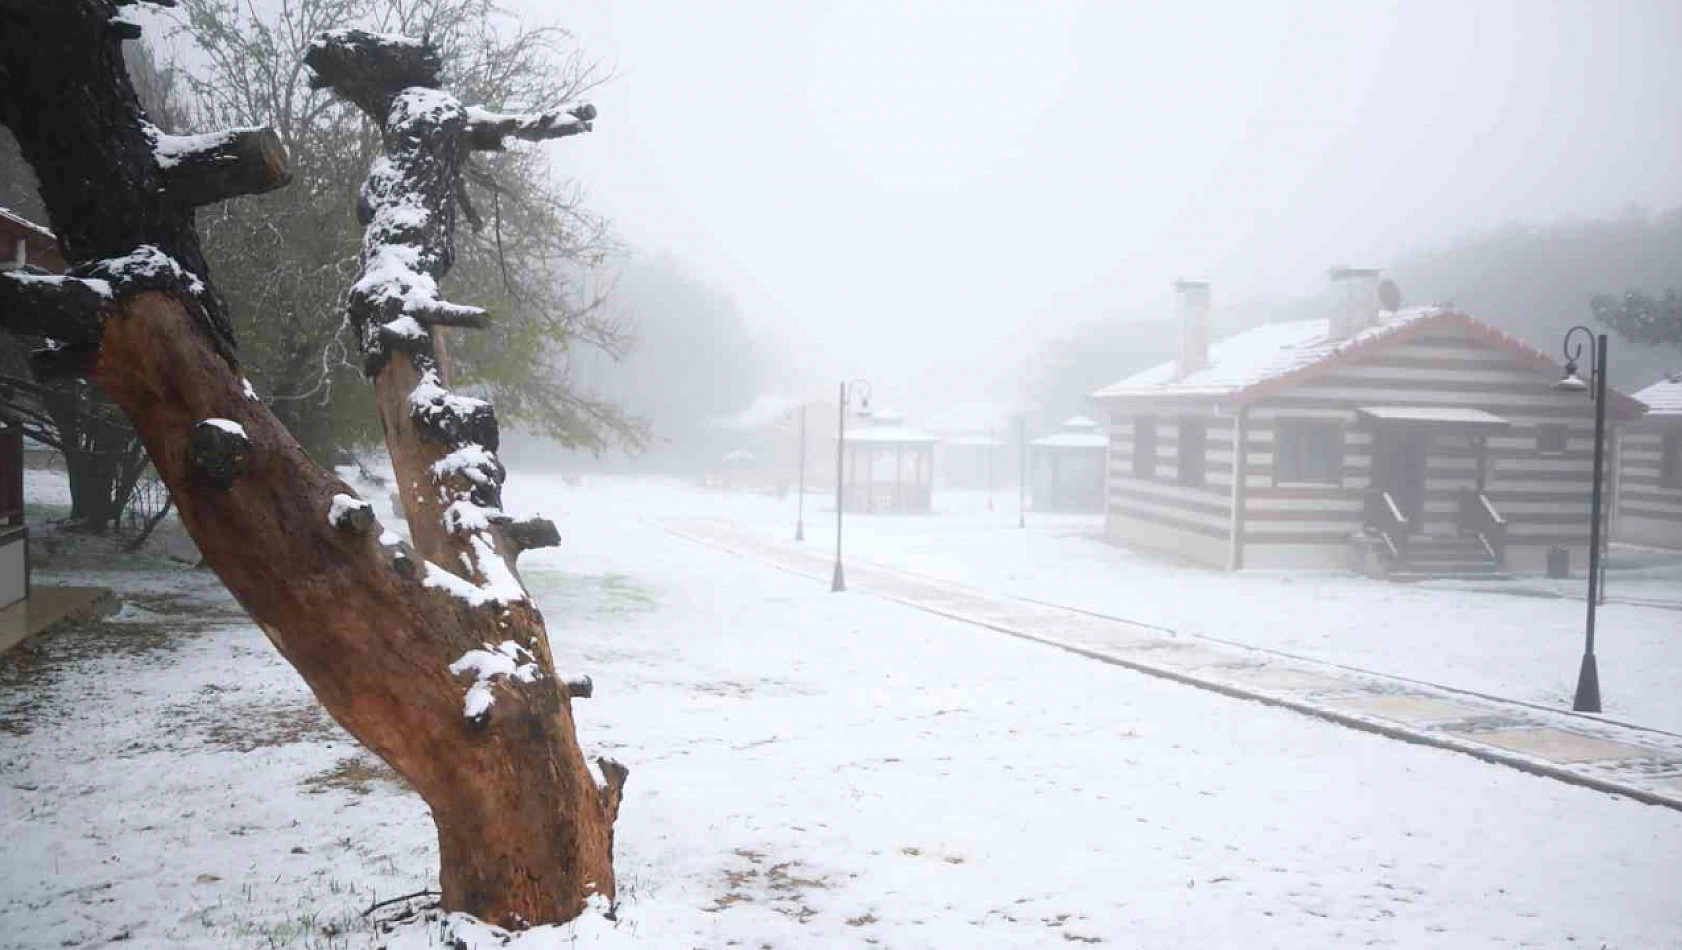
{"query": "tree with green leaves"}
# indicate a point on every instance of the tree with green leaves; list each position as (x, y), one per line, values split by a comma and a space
(532, 251)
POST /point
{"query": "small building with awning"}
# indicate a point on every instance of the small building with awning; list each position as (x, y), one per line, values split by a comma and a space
(1066, 468)
(1400, 441)
(888, 466)
(1649, 470)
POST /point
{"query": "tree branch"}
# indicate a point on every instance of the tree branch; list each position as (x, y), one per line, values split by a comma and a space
(205, 169)
(370, 69)
(36, 303)
(489, 131)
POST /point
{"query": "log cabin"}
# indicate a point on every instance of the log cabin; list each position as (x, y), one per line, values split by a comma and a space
(1405, 443)
(1649, 466)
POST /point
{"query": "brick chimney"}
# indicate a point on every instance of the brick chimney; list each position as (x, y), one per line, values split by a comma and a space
(1357, 301)
(1192, 310)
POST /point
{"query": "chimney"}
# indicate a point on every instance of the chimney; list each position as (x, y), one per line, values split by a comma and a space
(1193, 313)
(1357, 301)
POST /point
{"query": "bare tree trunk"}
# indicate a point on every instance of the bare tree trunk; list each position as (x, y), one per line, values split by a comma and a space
(446, 676)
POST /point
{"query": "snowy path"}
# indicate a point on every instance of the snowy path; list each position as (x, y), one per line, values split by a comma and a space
(808, 771)
(1644, 764)
(1498, 639)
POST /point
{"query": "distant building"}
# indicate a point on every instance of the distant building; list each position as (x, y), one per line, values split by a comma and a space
(889, 467)
(1649, 470)
(1405, 442)
(1066, 468)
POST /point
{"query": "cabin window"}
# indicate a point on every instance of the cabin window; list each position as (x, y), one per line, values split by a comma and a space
(1309, 453)
(1193, 435)
(1550, 438)
(1670, 460)
(1144, 447)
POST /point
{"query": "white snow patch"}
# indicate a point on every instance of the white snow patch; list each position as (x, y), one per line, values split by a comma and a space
(507, 659)
(473, 460)
(433, 399)
(227, 425)
(100, 287)
(390, 538)
(465, 515)
(250, 393)
(591, 929)
(148, 261)
(172, 150)
(406, 326)
(342, 506)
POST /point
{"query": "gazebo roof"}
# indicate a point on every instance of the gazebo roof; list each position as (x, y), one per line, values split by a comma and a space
(1079, 432)
(889, 435)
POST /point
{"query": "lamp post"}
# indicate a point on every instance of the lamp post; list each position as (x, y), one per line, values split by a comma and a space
(1022, 480)
(861, 389)
(1588, 677)
(800, 503)
(992, 443)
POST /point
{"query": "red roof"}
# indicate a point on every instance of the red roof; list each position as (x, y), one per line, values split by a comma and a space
(1261, 362)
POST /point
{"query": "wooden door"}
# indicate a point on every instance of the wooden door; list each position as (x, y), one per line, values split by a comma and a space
(1399, 469)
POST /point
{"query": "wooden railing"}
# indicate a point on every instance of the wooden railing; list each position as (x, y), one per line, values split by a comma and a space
(1383, 518)
(1479, 518)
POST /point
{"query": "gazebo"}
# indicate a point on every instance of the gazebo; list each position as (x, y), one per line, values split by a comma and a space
(889, 466)
(1068, 467)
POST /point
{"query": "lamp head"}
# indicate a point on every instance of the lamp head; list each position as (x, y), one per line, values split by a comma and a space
(1571, 382)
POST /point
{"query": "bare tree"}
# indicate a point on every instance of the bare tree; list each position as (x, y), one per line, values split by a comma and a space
(446, 676)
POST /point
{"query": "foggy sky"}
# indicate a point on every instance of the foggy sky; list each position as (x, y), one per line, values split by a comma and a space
(894, 185)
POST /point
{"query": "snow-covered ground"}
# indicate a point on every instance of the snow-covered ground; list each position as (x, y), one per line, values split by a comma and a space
(808, 770)
(1520, 640)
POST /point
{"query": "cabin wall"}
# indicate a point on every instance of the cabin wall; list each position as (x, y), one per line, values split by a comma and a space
(1647, 511)
(1158, 513)
(1543, 495)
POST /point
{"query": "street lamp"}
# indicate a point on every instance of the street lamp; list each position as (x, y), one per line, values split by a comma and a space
(1022, 479)
(861, 389)
(1588, 677)
(800, 502)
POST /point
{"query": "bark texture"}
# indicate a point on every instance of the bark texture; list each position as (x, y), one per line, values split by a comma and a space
(445, 673)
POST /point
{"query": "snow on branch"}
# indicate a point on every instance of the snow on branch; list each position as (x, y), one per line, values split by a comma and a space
(507, 659)
(368, 69)
(35, 303)
(216, 166)
(350, 513)
(489, 131)
(220, 451)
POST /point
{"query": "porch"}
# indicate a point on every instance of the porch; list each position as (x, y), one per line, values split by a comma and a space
(1402, 537)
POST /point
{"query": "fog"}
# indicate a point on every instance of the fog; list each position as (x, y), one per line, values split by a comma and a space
(912, 189)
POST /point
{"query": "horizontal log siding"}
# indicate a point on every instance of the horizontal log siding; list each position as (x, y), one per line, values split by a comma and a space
(1545, 497)
(1648, 513)
(1160, 514)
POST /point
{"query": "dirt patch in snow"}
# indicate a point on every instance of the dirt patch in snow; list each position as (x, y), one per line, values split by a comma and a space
(263, 726)
(781, 886)
(358, 774)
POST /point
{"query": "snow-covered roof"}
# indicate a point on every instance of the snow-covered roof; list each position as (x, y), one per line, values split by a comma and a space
(1255, 363)
(1663, 398)
(887, 427)
(41, 243)
(1256, 356)
(1078, 432)
(1457, 415)
(1072, 440)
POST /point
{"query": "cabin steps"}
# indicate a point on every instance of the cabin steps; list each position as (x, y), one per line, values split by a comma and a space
(1428, 557)
(1443, 557)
